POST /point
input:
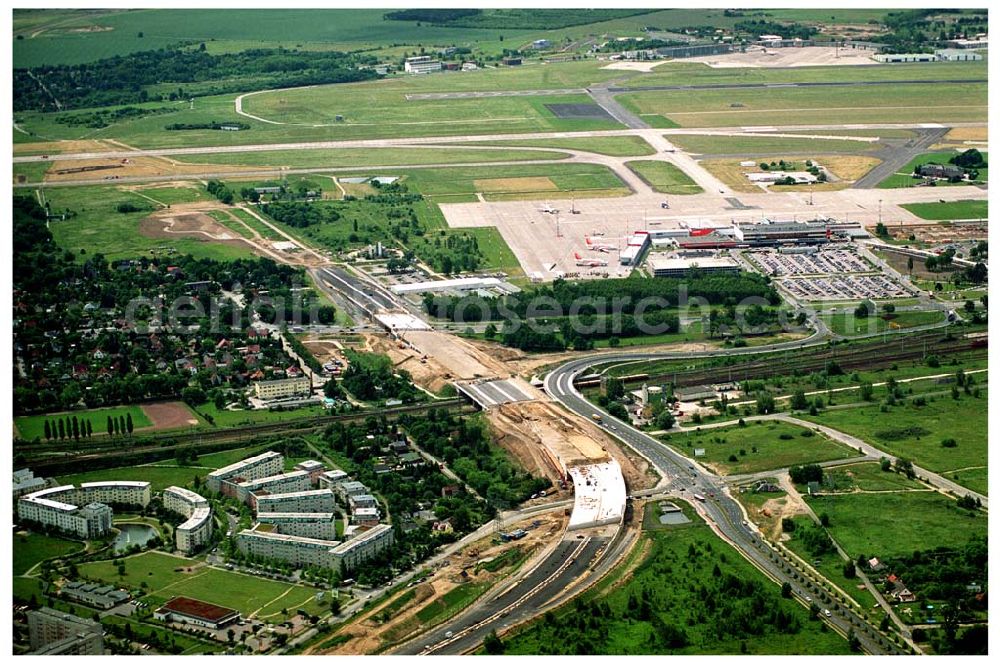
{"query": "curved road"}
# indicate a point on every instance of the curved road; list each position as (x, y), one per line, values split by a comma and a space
(685, 478)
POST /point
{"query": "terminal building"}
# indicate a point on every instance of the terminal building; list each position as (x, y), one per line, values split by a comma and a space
(224, 480)
(196, 531)
(635, 248)
(671, 267)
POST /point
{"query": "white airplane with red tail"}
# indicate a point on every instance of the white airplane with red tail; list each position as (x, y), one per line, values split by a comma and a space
(599, 247)
(590, 263)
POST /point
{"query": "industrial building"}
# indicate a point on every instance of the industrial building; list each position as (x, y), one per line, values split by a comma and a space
(196, 531)
(904, 57)
(197, 613)
(456, 285)
(635, 248)
(257, 467)
(89, 522)
(800, 177)
(311, 525)
(978, 42)
(677, 267)
(421, 65)
(288, 482)
(307, 501)
(957, 55)
(694, 50)
(276, 389)
(53, 632)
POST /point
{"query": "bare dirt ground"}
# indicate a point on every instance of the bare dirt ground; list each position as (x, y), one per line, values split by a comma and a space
(457, 357)
(430, 375)
(635, 66)
(938, 233)
(165, 415)
(197, 225)
(544, 439)
(68, 146)
(369, 633)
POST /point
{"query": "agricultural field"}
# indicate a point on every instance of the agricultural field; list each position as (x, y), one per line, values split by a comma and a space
(167, 576)
(846, 323)
(904, 177)
(664, 177)
(896, 523)
(757, 447)
(616, 146)
(962, 102)
(916, 432)
(684, 566)
(33, 427)
(750, 144)
(952, 210)
(30, 549)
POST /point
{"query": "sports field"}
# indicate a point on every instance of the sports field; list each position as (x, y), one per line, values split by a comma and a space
(32, 427)
(168, 576)
(896, 523)
(951, 210)
(664, 177)
(757, 447)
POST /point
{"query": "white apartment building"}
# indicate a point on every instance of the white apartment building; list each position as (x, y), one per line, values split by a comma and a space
(310, 525)
(368, 516)
(136, 493)
(288, 482)
(277, 389)
(362, 547)
(257, 467)
(307, 501)
(347, 489)
(362, 501)
(47, 508)
(196, 531)
(332, 478)
(26, 482)
(299, 551)
(314, 467)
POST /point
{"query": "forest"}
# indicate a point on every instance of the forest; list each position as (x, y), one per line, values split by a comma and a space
(125, 79)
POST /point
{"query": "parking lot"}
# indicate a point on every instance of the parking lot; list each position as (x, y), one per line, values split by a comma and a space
(826, 261)
(845, 288)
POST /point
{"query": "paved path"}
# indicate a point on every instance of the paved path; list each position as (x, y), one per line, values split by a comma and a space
(895, 158)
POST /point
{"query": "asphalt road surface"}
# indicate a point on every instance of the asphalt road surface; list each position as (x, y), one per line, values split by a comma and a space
(686, 478)
(896, 157)
(521, 601)
(814, 84)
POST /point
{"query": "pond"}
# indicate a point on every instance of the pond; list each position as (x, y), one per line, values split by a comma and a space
(131, 534)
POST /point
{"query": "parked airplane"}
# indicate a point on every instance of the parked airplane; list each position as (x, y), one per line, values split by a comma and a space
(599, 247)
(591, 263)
(547, 208)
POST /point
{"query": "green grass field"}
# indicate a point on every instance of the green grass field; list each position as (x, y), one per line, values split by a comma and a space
(32, 427)
(802, 106)
(169, 196)
(676, 581)
(664, 177)
(30, 549)
(868, 476)
(451, 603)
(904, 177)
(224, 418)
(250, 595)
(369, 157)
(617, 146)
(845, 323)
(706, 144)
(916, 432)
(772, 452)
(973, 478)
(887, 524)
(952, 210)
(99, 228)
(30, 172)
(160, 475)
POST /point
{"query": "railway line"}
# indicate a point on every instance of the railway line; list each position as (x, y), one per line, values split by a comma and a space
(880, 355)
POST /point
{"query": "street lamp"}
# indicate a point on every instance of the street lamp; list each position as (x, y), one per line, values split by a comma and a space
(880, 211)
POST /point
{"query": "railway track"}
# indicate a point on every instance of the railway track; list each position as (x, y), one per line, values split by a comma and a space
(880, 355)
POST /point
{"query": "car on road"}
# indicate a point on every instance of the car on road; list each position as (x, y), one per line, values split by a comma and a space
(808, 598)
(449, 634)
